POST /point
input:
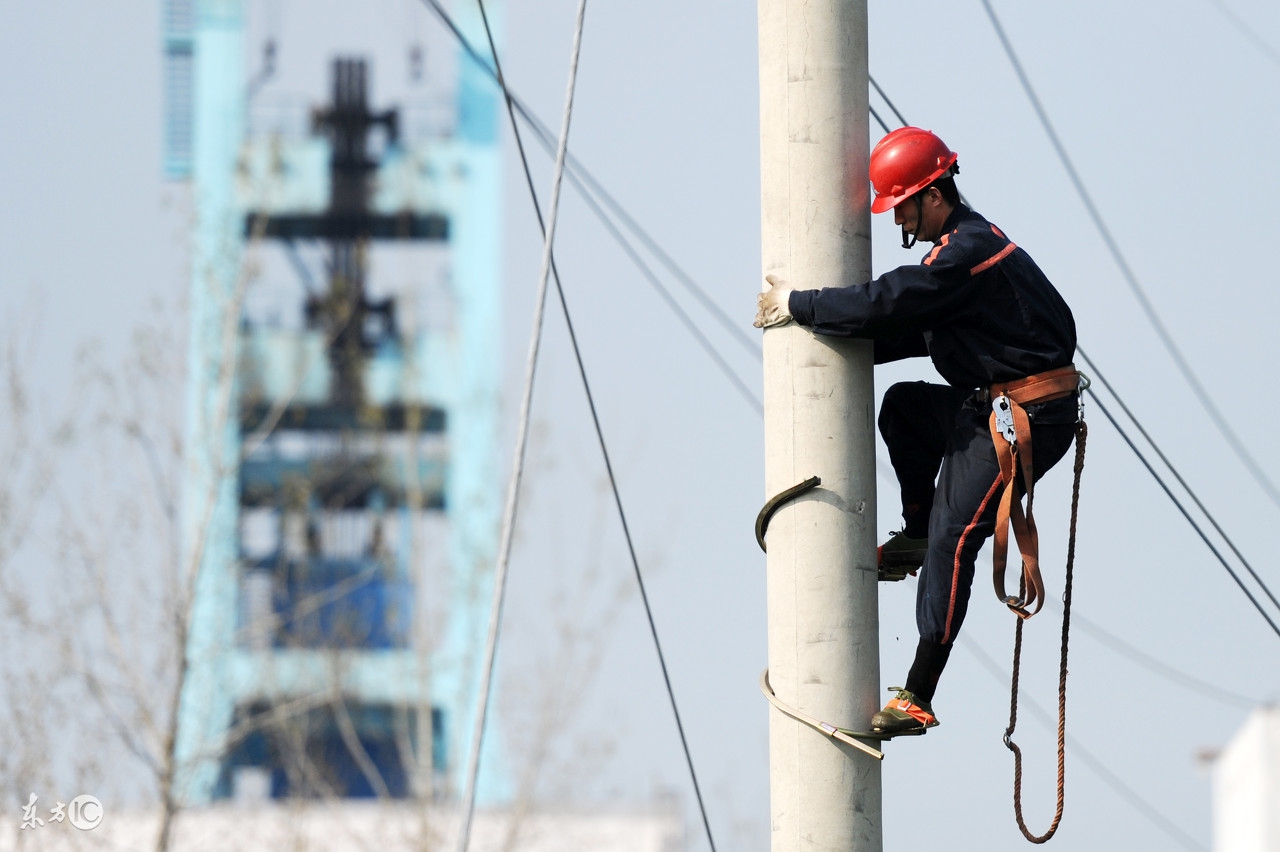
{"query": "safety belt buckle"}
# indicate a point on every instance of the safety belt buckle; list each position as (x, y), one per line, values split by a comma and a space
(1004, 418)
(1017, 605)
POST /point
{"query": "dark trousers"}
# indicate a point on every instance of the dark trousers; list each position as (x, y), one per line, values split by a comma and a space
(937, 432)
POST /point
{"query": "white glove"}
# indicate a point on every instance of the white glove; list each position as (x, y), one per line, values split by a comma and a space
(774, 304)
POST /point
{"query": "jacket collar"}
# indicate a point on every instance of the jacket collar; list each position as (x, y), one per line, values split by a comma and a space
(957, 215)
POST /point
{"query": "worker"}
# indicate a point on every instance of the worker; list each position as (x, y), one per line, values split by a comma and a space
(983, 311)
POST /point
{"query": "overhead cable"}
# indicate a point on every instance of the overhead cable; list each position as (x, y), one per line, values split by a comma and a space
(578, 175)
(877, 117)
(517, 467)
(582, 179)
(885, 98)
(1096, 373)
(1187, 515)
(687, 321)
(1229, 697)
(1198, 389)
(595, 418)
(1245, 30)
(589, 189)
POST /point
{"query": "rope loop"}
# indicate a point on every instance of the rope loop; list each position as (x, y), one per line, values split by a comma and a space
(1082, 433)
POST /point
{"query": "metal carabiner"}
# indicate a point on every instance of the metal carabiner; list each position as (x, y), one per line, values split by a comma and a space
(1085, 384)
(1004, 418)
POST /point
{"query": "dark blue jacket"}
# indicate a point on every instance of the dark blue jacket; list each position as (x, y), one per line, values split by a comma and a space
(977, 305)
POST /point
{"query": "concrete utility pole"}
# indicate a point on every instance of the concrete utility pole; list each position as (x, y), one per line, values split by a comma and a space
(824, 655)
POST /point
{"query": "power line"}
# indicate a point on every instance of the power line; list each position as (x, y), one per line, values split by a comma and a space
(1099, 767)
(581, 178)
(579, 175)
(1126, 272)
(687, 321)
(1155, 666)
(590, 189)
(1163, 458)
(1186, 514)
(885, 98)
(877, 117)
(595, 418)
(522, 436)
(1245, 30)
(582, 184)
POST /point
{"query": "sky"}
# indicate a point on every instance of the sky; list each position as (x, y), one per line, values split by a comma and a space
(1167, 112)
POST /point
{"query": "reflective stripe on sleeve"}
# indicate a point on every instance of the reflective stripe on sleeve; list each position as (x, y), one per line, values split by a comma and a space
(993, 260)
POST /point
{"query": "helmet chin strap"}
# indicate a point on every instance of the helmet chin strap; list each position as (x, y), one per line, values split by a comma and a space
(919, 216)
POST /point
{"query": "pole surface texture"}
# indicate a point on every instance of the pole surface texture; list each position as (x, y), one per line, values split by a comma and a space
(824, 656)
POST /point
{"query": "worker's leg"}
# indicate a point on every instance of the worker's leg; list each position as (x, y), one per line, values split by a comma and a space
(963, 518)
(915, 420)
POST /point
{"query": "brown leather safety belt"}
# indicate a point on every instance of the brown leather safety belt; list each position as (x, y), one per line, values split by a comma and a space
(1011, 434)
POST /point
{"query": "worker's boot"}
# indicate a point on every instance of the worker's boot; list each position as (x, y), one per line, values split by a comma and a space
(904, 714)
(901, 555)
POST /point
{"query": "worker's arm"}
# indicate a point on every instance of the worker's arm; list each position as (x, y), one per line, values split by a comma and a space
(909, 299)
(773, 309)
(903, 301)
(896, 348)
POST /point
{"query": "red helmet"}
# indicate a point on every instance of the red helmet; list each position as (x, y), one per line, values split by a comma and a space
(905, 162)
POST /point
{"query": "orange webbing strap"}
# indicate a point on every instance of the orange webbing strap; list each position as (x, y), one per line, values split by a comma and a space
(1010, 513)
(1012, 457)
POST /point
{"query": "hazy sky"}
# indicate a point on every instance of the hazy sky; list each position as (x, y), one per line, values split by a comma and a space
(1168, 111)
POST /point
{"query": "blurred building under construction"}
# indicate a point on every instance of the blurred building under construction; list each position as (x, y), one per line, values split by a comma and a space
(341, 504)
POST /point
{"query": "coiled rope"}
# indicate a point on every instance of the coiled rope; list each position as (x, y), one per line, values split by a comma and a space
(1082, 433)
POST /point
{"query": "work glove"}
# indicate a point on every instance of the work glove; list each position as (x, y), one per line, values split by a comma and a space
(774, 304)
